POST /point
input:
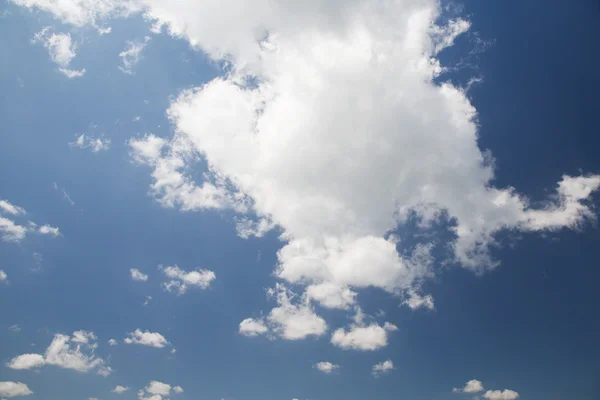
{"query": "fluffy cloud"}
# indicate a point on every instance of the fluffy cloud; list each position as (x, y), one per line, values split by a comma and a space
(473, 386)
(331, 295)
(13, 389)
(415, 301)
(501, 395)
(61, 49)
(137, 275)
(11, 232)
(180, 280)
(146, 338)
(252, 327)
(112, 342)
(120, 389)
(3, 276)
(361, 335)
(292, 319)
(61, 353)
(156, 390)
(326, 367)
(96, 144)
(382, 367)
(9, 208)
(49, 230)
(131, 55)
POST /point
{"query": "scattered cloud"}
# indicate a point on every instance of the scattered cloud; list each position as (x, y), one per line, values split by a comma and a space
(15, 327)
(137, 275)
(472, 386)
(501, 395)
(96, 144)
(9, 208)
(146, 338)
(120, 389)
(13, 389)
(326, 367)
(382, 367)
(362, 336)
(253, 327)
(156, 390)
(415, 301)
(132, 54)
(61, 49)
(76, 352)
(180, 280)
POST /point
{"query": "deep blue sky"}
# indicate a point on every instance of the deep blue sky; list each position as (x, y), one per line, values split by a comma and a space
(531, 325)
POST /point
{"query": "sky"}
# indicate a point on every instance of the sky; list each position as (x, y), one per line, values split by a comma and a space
(319, 200)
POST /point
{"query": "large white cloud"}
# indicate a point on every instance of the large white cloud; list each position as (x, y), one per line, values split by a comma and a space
(76, 352)
(14, 389)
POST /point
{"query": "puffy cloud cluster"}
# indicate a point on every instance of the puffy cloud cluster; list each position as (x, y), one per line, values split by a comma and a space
(474, 386)
(76, 353)
(180, 280)
(10, 231)
(146, 338)
(156, 390)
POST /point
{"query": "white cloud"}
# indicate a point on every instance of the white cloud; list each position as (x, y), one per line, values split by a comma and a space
(66, 195)
(15, 327)
(10, 208)
(146, 338)
(180, 280)
(326, 367)
(382, 367)
(292, 319)
(120, 389)
(27, 361)
(61, 353)
(112, 342)
(137, 275)
(362, 336)
(4, 278)
(415, 301)
(49, 230)
(13, 389)
(331, 295)
(11, 232)
(62, 50)
(147, 149)
(104, 31)
(501, 395)
(472, 386)
(96, 144)
(253, 327)
(131, 55)
(156, 390)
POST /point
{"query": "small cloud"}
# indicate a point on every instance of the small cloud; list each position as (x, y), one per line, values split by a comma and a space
(3, 277)
(382, 367)
(112, 342)
(104, 31)
(14, 328)
(473, 386)
(137, 275)
(120, 389)
(72, 73)
(96, 144)
(181, 280)
(148, 298)
(146, 338)
(253, 327)
(414, 301)
(49, 230)
(62, 50)
(326, 367)
(137, 118)
(505, 394)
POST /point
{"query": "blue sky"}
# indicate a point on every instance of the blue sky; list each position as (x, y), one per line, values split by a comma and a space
(331, 200)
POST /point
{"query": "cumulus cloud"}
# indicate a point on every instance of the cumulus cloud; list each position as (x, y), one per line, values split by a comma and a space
(180, 280)
(156, 390)
(362, 335)
(326, 367)
(11, 232)
(382, 367)
(76, 352)
(62, 50)
(146, 338)
(96, 144)
(131, 55)
(472, 386)
(120, 389)
(137, 275)
(253, 327)
(13, 389)
(292, 319)
(331, 295)
(501, 395)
